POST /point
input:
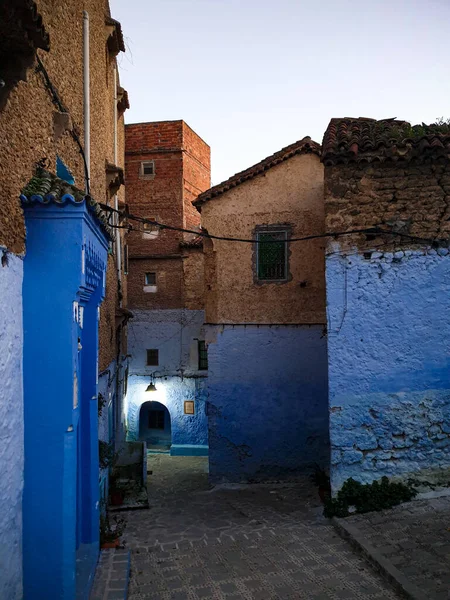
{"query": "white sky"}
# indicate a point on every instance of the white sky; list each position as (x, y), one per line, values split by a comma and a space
(252, 76)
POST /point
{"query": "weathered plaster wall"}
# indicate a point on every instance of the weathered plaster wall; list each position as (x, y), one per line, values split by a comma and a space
(187, 430)
(267, 405)
(11, 427)
(194, 279)
(174, 333)
(28, 140)
(389, 368)
(388, 305)
(291, 192)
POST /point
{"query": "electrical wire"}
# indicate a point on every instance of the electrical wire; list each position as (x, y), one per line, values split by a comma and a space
(375, 230)
(62, 108)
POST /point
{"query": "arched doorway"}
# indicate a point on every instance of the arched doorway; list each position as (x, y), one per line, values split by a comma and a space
(155, 426)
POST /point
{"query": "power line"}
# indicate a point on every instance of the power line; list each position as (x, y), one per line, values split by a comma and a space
(375, 230)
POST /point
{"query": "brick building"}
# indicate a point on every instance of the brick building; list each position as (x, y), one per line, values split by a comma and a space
(57, 251)
(167, 167)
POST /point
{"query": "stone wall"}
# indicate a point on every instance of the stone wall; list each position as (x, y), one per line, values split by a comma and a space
(11, 427)
(267, 401)
(388, 304)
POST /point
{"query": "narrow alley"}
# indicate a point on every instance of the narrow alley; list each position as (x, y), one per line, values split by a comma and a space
(258, 542)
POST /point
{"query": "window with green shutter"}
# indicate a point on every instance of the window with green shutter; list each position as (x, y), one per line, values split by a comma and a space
(202, 356)
(271, 262)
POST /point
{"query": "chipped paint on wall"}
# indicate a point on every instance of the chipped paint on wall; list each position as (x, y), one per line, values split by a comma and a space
(389, 366)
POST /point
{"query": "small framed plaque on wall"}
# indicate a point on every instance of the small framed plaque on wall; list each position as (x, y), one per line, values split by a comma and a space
(189, 407)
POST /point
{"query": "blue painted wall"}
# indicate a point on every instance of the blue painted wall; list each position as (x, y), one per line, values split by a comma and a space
(63, 273)
(175, 334)
(11, 427)
(111, 421)
(267, 410)
(171, 392)
(389, 363)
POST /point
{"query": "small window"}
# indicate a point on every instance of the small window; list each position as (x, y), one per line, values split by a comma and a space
(150, 232)
(156, 419)
(271, 264)
(147, 168)
(150, 279)
(152, 357)
(202, 356)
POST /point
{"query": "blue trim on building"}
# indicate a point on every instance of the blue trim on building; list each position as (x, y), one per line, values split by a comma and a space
(64, 278)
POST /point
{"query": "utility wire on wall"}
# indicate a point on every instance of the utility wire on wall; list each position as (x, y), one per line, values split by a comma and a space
(375, 230)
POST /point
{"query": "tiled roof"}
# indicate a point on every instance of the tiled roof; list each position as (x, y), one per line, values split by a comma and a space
(304, 146)
(363, 139)
(115, 40)
(46, 188)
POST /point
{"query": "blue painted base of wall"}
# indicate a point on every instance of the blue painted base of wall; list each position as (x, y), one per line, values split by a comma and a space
(267, 404)
(188, 450)
(87, 556)
(389, 365)
(11, 420)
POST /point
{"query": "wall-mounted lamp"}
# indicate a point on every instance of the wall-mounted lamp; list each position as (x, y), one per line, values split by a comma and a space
(151, 386)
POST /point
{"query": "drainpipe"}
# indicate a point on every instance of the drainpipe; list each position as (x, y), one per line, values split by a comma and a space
(116, 199)
(119, 367)
(87, 99)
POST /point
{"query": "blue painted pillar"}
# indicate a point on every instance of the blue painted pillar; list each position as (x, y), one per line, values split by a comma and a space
(63, 274)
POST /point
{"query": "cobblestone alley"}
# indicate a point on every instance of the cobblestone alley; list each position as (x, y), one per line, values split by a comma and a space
(261, 542)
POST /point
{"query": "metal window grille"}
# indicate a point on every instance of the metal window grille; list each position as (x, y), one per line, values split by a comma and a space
(202, 356)
(156, 419)
(150, 279)
(152, 358)
(272, 255)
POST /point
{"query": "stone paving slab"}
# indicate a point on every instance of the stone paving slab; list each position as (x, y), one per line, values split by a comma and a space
(112, 575)
(267, 542)
(415, 539)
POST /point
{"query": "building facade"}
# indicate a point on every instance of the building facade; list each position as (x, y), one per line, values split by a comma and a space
(60, 259)
(388, 299)
(167, 166)
(265, 318)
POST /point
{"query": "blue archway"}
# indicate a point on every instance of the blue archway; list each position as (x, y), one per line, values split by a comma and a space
(155, 426)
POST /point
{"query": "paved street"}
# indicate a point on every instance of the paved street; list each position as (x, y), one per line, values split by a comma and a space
(415, 538)
(253, 542)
